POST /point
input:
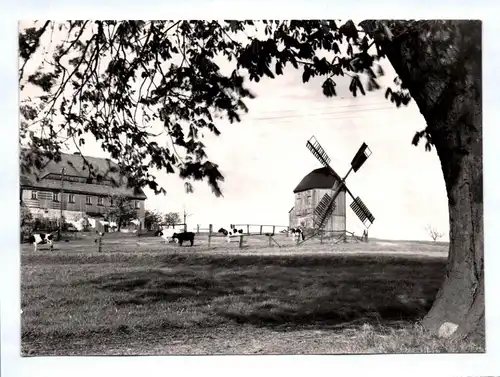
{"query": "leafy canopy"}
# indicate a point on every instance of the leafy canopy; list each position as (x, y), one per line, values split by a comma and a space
(152, 219)
(172, 218)
(122, 210)
(116, 80)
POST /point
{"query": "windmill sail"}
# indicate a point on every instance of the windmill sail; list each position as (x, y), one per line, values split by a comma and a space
(362, 212)
(317, 150)
(323, 211)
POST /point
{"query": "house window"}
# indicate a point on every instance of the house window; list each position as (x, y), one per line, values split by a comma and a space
(71, 198)
(33, 195)
(136, 204)
(99, 201)
(88, 200)
(55, 196)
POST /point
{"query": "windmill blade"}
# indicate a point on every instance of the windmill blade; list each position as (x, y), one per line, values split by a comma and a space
(317, 150)
(323, 211)
(362, 212)
(361, 156)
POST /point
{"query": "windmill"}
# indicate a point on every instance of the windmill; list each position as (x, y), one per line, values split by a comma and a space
(326, 205)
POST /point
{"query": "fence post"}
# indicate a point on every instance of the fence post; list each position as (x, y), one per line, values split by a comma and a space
(274, 228)
(241, 241)
(260, 230)
(198, 229)
(209, 234)
(248, 229)
(270, 244)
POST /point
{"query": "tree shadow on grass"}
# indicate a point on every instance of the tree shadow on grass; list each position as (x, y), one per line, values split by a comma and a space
(287, 292)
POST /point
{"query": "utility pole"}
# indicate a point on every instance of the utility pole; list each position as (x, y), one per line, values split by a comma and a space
(62, 204)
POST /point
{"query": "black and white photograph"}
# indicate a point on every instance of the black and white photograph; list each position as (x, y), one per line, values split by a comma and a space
(251, 187)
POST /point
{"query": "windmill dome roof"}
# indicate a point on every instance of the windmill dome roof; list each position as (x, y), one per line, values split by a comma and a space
(318, 179)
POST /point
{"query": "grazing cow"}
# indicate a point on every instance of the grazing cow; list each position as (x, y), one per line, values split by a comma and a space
(184, 236)
(166, 234)
(42, 239)
(296, 233)
(231, 233)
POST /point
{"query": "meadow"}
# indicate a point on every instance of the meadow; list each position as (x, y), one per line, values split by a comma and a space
(140, 297)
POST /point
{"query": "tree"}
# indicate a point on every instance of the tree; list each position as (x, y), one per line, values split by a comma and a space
(152, 219)
(122, 211)
(172, 218)
(177, 81)
(26, 216)
(185, 215)
(433, 232)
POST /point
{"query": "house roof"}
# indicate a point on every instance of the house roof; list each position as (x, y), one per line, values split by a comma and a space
(318, 179)
(74, 165)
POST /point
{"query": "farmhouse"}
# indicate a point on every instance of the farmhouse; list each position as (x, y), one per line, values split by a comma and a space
(41, 192)
(308, 194)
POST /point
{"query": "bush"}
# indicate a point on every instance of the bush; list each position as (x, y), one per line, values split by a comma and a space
(45, 225)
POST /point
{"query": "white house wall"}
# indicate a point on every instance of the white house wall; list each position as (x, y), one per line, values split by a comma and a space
(43, 206)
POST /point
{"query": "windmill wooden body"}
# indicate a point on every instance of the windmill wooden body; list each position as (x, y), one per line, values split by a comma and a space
(327, 205)
(308, 194)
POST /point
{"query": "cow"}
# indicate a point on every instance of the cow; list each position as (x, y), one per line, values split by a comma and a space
(184, 236)
(166, 234)
(296, 233)
(42, 239)
(230, 233)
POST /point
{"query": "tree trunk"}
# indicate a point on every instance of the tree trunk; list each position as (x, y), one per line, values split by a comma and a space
(445, 82)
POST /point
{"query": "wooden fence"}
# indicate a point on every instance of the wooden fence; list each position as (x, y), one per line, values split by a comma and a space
(260, 227)
(338, 236)
(270, 231)
(213, 234)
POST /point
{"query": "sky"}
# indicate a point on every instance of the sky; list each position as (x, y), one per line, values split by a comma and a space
(264, 157)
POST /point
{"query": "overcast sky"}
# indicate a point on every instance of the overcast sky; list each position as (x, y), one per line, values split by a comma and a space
(264, 157)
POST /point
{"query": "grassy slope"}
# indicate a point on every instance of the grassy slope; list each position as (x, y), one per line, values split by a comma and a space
(136, 299)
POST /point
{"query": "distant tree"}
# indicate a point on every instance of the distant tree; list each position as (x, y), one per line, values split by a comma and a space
(185, 215)
(172, 218)
(152, 219)
(167, 71)
(434, 233)
(122, 211)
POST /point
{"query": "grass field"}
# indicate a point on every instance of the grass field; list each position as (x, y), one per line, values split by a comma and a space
(144, 298)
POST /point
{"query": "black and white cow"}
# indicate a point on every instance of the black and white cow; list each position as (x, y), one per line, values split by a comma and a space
(296, 233)
(41, 239)
(230, 233)
(166, 234)
(184, 236)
